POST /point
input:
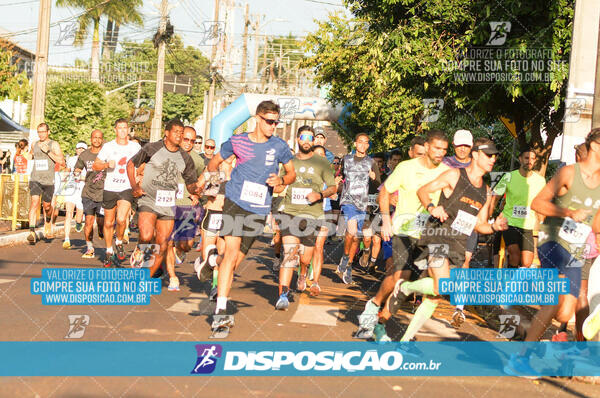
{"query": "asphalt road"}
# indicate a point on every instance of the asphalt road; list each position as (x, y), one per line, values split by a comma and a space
(184, 316)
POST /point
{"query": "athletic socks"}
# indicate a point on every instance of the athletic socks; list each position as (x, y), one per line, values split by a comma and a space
(423, 286)
(118, 241)
(89, 244)
(423, 313)
(221, 304)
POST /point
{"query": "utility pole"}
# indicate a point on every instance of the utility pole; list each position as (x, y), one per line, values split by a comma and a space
(245, 47)
(38, 101)
(280, 64)
(256, 35)
(264, 61)
(596, 103)
(211, 90)
(155, 130)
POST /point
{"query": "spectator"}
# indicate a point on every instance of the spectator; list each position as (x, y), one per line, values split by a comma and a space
(22, 156)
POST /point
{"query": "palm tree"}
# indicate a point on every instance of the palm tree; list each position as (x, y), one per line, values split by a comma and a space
(118, 11)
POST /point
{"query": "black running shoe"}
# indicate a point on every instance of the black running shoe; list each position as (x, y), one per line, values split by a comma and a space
(120, 252)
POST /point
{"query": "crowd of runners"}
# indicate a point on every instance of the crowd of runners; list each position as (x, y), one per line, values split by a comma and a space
(414, 219)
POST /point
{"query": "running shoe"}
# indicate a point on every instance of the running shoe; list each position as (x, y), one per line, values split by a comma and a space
(79, 227)
(179, 258)
(341, 268)
(67, 244)
(32, 237)
(519, 366)
(283, 302)
(203, 266)
(136, 260)
(364, 259)
(126, 237)
(88, 254)
(173, 284)
(591, 325)
(315, 289)
(560, 337)
(380, 334)
(220, 321)
(370, 308)
(120, 252)
(458, 318)
(301, 283)
(396, 299)
(347, 276)
(109, 260)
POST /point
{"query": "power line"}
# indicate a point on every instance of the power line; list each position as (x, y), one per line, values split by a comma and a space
(20, 3)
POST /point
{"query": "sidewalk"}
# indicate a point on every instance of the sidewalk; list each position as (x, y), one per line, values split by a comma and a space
(19, 237)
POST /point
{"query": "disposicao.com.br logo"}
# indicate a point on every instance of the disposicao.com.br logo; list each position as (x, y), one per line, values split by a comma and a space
(331, 362)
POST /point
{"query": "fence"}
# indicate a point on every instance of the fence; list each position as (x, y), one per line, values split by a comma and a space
(14, 198)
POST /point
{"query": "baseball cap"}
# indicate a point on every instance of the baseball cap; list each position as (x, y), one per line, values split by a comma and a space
(81, 145)
(488, 147)
(463, 137)
(319, 131)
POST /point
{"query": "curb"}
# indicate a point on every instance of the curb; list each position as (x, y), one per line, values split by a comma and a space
(20, 238)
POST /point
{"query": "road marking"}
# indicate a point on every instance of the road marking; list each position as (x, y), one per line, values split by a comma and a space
(194, 304)
(316, 314)
(6, 280)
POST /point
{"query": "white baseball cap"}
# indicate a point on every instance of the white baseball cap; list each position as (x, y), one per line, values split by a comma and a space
(463, 137)
(81, 145)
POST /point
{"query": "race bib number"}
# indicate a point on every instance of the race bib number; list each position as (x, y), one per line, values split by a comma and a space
(165, 198)
(420, 221)
(215, 221)
(299, 196)
(254, 193)
(520, 211)
(180, 190)
(373, 200)
(41, 164)
(117, 180)
(464, 223)
(574, 232)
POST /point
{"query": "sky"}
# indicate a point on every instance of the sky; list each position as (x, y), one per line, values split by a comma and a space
(189, 17)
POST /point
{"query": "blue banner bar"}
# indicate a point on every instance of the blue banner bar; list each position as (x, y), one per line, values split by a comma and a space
(237, 358)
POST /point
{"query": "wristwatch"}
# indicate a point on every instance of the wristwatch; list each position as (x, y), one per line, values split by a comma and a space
(429, 205)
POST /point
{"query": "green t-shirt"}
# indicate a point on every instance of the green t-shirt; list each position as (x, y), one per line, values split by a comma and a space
(410, 175)
(182, 197)
(310, 176)
(520, 192)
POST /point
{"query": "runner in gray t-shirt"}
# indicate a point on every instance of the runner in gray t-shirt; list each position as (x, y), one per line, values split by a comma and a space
(46, 153)
(165, 161)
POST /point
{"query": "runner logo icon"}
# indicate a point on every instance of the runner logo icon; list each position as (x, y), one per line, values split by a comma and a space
(207, 358)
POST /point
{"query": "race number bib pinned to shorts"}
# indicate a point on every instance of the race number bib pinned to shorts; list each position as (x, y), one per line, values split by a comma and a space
(215, 221)
(420, 221)
(373, 200)
(299, 196)
(41, 164)
(165, 198)
(520, 211)
(179, 193)
(464, 223)
(254, 193)
(574, 232)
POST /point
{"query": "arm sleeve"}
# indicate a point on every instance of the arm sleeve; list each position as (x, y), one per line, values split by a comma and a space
(285, 155)
(226, 149)
(141, 157)
(189, 172)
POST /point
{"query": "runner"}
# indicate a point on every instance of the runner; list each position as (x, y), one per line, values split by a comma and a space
(46, 154)
(302, 214)
(417, 147)
(165, 162)
(462, 208)
(187, 213)
(91, 194)
(404, 229)
(73, 202)
(356, 169)
(248, 193)
(320, 139)
(117, 196)
(520, 186)
(570, 201)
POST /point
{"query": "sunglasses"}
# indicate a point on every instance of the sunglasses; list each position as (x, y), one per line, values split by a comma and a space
(495, 155)
(270, 122)
(198, 142)
(306, 137)
(209, 146)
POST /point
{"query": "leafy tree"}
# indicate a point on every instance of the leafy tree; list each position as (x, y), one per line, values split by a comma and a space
(280, 51)
(74, 109)
(394, 54)
(120, 12)
(12, 83)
